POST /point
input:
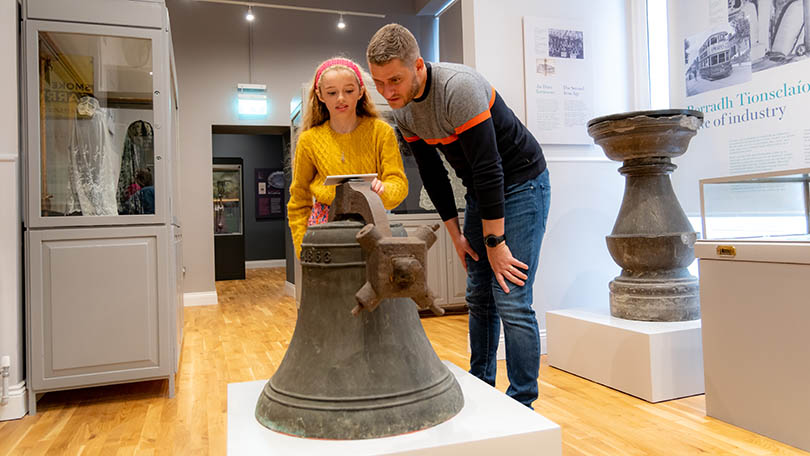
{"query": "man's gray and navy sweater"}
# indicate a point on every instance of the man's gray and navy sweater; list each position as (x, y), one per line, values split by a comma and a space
(462, 115)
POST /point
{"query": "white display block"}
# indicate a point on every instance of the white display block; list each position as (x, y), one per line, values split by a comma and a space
(655, 361)
(490, 423)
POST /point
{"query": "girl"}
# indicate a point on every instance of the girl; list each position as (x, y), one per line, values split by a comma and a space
(342, 133)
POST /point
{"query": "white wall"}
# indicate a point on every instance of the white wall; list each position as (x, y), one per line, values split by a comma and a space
(575, 266)
(211, 52)
(11, 314)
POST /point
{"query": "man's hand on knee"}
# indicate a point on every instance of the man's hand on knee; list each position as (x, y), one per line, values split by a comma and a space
(506, 267)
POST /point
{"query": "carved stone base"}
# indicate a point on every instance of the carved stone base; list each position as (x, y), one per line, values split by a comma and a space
(647, 299)
(652, 240)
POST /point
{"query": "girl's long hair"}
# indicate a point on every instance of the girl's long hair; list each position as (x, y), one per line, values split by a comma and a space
(315, 111)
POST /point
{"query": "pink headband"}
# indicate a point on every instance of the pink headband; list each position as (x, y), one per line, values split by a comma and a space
(330, 63)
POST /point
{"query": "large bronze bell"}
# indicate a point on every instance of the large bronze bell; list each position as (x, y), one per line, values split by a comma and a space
(359, 364)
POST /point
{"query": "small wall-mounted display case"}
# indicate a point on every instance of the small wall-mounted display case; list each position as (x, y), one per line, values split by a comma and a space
(764, 206)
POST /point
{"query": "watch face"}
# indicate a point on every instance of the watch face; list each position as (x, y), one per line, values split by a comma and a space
(492, 240)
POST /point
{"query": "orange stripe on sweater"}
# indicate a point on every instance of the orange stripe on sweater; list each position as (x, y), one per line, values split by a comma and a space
(478, 118)
(466, 126)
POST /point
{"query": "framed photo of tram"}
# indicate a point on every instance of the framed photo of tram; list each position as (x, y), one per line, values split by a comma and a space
(716, 58)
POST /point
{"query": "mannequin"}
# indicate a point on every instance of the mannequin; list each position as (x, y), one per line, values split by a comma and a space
(90, 151)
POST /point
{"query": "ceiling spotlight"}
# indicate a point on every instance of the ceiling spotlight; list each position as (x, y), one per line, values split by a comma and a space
(249, 16)
(341, 24)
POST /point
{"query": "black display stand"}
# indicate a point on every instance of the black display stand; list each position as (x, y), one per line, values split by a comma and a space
(229, 248)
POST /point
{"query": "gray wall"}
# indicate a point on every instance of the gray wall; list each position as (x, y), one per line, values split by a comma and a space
(450, 43)
(211, 52)
(264, 238)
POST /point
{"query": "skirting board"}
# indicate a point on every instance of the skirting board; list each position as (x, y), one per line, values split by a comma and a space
(501, 354)
(289, 289)
(489, 423)
(259, 264)
(654, 361)
(204, 298)
(17, 405)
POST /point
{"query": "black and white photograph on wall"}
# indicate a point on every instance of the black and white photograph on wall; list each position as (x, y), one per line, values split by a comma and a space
(566, 44)
(717, 58)
(777, 30)
(544, 67)
(269, 193)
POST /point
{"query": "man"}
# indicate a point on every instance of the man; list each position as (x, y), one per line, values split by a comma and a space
(453, 108)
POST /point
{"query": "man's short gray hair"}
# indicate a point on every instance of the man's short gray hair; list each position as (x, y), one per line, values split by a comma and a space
(392, 41)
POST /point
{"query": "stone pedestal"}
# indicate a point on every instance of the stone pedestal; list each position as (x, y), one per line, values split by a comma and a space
(652, 239)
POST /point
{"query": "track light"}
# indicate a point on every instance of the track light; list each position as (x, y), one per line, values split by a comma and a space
(249, 16)
(341, 25)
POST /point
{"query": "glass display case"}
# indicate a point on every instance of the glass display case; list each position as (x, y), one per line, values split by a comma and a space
(104, 297)
(98, 95)
(759, 207)
(228, 211)
(97, 154)
(227, 199)
(754, 264)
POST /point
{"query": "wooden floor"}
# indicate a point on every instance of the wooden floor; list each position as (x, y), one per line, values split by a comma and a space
(244, 338)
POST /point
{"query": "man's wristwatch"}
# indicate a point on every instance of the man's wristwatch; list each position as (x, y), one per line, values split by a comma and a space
(492, 241)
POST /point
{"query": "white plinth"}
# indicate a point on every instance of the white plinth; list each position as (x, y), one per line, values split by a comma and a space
(490, 423)
(655, 361)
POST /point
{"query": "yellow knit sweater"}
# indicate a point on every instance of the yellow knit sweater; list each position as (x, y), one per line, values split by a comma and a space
(321, 152)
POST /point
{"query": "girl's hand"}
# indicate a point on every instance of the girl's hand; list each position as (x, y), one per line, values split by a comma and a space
(377, 186)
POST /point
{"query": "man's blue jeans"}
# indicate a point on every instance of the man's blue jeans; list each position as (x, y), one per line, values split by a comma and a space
(525, 216)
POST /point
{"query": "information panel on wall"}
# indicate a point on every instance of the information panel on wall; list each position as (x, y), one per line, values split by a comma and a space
(744, 64)
(558, 75)
(269, 193)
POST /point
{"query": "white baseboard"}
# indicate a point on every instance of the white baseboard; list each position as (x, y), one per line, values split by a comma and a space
(17, 405)
(259, 264)
(501, 354)
(204, 298)
(289, 289)
(543, 346)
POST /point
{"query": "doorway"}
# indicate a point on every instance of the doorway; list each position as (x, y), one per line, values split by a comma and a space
(263, 152)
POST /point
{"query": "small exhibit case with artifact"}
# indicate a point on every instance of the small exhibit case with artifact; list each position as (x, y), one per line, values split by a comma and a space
(102, 240)
(229, 218)
(754, 262)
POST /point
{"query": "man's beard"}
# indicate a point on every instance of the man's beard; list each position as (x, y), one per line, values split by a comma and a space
(414, 89)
